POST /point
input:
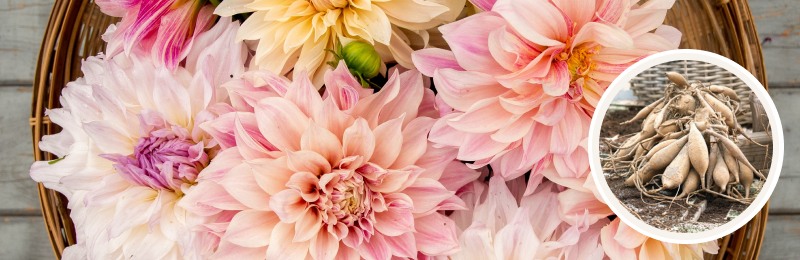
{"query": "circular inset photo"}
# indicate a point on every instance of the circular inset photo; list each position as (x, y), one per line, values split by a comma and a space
(686, 146)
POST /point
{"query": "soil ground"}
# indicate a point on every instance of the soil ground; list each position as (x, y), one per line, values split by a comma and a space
(675, 215)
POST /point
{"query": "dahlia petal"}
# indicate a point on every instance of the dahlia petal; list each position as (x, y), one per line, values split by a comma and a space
(241, 183)
(283, 248)
(484, 116)
(347, 253)
(252, 145)
(442, 133)
(612, 248)
(429, 60)
(514, 131)
(345, 90)
(388, 140)
(614, 11)
(308, 161)
(333, 119)
(231, 251)
(566, 135)
(111, 188)
(306, 183)
(394, 221)
(479, 146)
(427, 194)
(136, 205)
(573, 203)
(146, 21)
(484, 5)
(375, 249)
(209, 198)
(359, 140)
(538, 21)
(377, 24)
(436, 235)
(543, 211)
(109, 139)
(324, 246)
(628, 237)
(303, 93)
(517, 240)
(307, 226)
(279, 84)
(221, 129)
(647, 17)
(281, 122)
(370, 107)
(652, 250)
(580, 14)
(461, 89)
(289, 206)
(556, 83)
(672, 34)
(322, 142)
(605, 34)
(456, 175)
(171, 98)
(412, 11)
(476, 243)
(402, 245)
(414, 142)
(251, 228)
(408, 99)
(468, 40)
(653, 42)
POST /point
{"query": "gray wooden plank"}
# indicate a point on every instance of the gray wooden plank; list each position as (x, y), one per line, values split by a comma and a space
(782, 238)
(785, 100)
(18, 190)
(778, 25)
(24, 238)
(784, 197)
(22, 25)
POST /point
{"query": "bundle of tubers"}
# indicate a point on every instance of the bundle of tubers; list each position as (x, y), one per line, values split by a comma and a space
(687, 142)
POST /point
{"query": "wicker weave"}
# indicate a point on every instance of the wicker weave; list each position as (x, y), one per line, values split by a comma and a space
(649, 85)
(75, 26)
(73, 33)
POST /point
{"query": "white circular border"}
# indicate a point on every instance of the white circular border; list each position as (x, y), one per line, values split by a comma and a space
(663, 235)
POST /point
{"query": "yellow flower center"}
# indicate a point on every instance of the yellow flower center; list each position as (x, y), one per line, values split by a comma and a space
(579, 61)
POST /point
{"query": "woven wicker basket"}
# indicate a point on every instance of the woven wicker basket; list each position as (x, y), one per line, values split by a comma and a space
(75, 27)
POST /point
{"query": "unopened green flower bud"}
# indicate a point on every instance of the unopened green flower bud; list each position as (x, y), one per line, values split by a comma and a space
(362, 57)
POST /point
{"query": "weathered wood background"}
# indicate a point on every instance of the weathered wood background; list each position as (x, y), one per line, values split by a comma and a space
(22, 24)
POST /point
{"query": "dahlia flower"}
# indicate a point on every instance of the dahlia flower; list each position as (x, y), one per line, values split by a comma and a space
(504, 224)
(164, 29)
(295, 34)
(349, 175)
(623, 242)
(132, 147)
(522, 78)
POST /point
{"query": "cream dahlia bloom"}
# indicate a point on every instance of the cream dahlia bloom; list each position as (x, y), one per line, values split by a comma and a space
(132, 148)
(347, 176)
(295, 33)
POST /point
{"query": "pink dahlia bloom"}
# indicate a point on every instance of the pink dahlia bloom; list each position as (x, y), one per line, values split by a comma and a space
(522, 78)
(620, 241)
(132, 148)
(347, 176)
(164, 29)
(502, 223)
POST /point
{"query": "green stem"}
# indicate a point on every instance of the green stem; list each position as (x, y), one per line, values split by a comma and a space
(214, 2)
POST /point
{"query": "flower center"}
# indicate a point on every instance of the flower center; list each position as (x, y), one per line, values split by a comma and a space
(579, 61)
(353, 202)
(162, 163)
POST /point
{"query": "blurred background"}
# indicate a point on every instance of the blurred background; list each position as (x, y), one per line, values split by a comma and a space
(22, 25)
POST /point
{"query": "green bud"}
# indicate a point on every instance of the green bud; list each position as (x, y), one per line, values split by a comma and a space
(362, 57)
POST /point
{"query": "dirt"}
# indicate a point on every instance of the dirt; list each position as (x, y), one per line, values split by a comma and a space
(611, 126)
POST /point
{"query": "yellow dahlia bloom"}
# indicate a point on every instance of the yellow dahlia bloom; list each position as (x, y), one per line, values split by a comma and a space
(293, 34)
